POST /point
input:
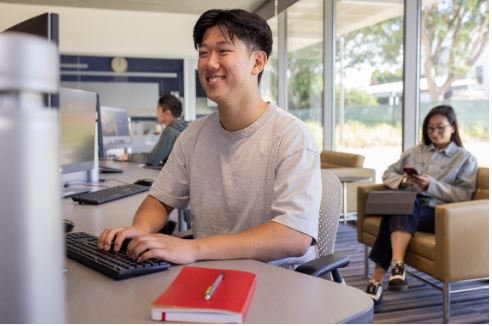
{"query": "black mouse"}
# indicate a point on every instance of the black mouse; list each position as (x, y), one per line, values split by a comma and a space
(144, 182)
(68, 225)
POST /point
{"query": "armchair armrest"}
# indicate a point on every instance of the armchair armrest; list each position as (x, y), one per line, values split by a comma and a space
(462, 240)
(362, 193)
(325, 264)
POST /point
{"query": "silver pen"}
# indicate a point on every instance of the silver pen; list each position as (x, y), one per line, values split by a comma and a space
(211, 289)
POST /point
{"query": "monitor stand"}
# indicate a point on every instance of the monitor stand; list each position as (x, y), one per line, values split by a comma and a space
(70, 191)
(79, 182)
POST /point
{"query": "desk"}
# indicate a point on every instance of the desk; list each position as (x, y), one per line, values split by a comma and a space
(94, 219)
(281, 296)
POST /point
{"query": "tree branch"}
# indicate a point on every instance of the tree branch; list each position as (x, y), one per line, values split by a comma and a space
(479, 43)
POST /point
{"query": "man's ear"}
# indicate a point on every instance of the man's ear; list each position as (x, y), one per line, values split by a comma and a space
(260, 61)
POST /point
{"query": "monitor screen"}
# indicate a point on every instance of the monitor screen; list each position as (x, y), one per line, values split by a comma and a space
(77, 129)
(114, 127)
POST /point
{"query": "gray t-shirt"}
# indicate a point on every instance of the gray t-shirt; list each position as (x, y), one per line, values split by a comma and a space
(233, 181)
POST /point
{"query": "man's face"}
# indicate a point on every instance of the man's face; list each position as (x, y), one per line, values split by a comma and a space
(163, 115)
(226, 69)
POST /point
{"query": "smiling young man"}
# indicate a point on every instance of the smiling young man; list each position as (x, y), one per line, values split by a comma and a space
(250, 172)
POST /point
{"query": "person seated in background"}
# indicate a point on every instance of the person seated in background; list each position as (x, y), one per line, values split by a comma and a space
(446, 173)
(169, 110)
(250, 172)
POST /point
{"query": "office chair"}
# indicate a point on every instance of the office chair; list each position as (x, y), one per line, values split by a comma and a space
(329, 214)
(183, 225)
(347, 165)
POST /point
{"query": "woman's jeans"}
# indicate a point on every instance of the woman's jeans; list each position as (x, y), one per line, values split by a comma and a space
(422, 219)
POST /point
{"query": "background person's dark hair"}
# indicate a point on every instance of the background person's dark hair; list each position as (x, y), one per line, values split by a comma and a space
(172, 103)
(448, 112)
(248, 27)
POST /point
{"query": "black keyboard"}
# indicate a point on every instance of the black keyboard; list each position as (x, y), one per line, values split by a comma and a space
(153, 167)
(83, 248)
(109, 194)
(107, 169)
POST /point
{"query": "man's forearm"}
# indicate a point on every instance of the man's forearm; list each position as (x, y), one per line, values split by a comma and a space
(151, 216)
(266, 242)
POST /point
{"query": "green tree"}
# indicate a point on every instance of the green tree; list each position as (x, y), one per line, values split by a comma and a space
(381, 43)
(305, 77)
(385, 76)
(453, 38)
(356, 97)
(454, 34)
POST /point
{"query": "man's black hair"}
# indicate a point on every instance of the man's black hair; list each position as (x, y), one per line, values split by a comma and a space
(172, 103)
(236, 23)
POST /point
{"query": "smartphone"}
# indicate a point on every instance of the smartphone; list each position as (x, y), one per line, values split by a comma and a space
(410, 171)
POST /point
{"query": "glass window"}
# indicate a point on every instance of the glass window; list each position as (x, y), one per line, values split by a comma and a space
(369, 83)
(454, 61)
(269, 80)
(305, 64)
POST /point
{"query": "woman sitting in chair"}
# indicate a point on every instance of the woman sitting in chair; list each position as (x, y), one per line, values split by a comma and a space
(442, 171)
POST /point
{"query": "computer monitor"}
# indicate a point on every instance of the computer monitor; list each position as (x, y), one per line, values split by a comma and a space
(77, 129)
(47, 26)
(44, 25)
(113, 129)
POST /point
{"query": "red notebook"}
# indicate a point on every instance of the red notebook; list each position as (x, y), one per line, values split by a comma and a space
(184, 300)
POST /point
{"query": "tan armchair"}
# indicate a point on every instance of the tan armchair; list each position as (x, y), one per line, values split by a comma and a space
(459, 249)
(332, 159)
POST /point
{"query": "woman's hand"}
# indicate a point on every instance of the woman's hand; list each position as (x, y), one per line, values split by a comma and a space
(421, 181)
(406, 181)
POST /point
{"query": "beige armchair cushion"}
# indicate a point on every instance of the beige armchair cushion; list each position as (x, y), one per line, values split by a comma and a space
(425, 245)
(332, 159)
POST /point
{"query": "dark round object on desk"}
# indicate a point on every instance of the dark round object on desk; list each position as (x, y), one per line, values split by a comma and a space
(144, 182)
(68, 225)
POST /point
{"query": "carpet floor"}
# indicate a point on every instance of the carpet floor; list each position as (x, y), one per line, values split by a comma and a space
(421, 303)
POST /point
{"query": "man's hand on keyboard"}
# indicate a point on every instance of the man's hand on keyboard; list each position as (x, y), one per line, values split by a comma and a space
(117, 235)
(165, 247)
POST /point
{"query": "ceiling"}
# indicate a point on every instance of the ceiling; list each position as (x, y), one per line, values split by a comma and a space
(305, 18)
(175, 6)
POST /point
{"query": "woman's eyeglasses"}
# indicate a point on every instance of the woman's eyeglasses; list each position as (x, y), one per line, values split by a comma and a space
(439, 129)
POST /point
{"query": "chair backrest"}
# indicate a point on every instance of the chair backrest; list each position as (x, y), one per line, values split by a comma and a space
(333, 159)
(482, 191)
(329, 213)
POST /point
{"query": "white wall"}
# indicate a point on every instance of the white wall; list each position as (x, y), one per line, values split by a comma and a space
(113, 32)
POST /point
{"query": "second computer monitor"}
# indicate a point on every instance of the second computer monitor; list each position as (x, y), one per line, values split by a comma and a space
(114, 128)
(77, 129)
